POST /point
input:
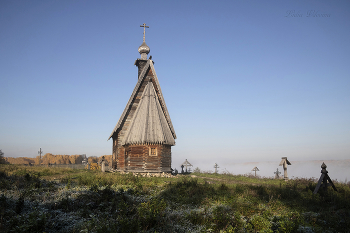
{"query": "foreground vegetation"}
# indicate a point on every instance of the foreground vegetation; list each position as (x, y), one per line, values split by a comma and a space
(40, 199)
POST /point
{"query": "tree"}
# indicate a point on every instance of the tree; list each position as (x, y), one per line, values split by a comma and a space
(92, 159)
(197, 170)
(37, 160)
(2, 159)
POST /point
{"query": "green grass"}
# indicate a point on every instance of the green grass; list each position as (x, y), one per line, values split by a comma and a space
(227, 178)
(41, 199)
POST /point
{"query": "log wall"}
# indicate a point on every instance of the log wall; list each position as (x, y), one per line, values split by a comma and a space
(138, 158)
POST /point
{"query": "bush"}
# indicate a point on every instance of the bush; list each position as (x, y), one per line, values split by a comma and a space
(197, 170)
(222, 218)
(187, 191)
(94, 166)
(151, 213)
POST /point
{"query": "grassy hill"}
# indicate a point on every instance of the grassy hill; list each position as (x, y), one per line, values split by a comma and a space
(40, 199)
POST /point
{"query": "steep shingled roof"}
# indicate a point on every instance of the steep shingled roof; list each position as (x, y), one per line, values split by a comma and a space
(149, 124)
(162, 124)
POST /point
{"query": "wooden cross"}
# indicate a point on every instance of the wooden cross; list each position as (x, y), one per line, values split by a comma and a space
(322, 182)
(40, 152)
(186, 164)
(255, 169)
(216, 166)
(144, 30)
(285, 162)
(277, 174)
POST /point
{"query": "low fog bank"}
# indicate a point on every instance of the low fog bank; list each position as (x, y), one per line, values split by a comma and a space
(337, 169)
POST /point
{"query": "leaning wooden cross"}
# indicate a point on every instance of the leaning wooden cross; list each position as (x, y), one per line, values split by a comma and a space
(322, 182)
(285, 162)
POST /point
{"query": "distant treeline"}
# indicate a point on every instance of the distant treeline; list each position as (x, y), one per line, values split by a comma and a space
(107, 158)
(49, 158)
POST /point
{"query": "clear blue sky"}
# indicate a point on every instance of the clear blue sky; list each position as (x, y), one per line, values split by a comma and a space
(243, 80)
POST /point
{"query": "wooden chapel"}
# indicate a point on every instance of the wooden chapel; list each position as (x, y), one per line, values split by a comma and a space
(144, 134)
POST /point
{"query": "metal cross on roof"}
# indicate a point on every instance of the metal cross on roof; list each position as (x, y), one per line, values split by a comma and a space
(144, 30)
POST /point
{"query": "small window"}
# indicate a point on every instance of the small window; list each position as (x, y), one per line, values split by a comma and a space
(153, 151)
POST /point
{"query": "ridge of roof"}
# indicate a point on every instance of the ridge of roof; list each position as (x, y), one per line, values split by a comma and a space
(148, 125)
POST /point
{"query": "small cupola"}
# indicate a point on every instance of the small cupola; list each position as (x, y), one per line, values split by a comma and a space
(144, 49)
